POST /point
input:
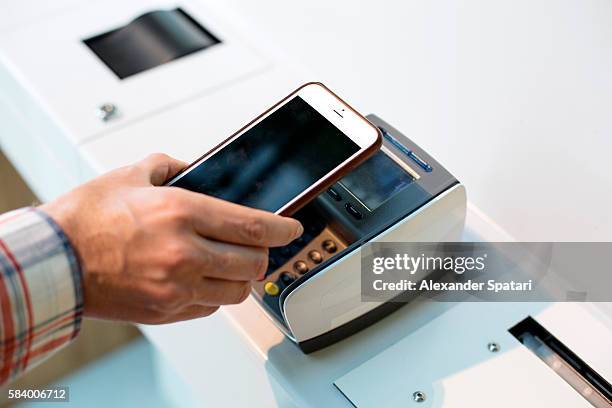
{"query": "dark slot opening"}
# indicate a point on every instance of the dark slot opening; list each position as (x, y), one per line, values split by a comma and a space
(150, 40)
(548, 348)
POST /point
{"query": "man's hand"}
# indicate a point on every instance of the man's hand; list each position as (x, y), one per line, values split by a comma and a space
(154, 254)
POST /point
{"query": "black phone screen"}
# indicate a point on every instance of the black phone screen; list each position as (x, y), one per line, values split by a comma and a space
(274, 161)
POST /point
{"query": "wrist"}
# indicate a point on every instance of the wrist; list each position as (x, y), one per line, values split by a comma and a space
(59, 213)
(93, 245)
(63, 266)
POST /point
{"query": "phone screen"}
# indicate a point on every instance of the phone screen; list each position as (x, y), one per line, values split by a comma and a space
(274, 161)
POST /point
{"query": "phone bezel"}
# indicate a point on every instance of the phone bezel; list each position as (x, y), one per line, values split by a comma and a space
(354, 125)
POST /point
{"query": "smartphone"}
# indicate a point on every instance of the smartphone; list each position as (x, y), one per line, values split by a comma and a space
(287, 155)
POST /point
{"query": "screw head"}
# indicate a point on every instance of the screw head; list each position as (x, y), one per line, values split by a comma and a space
(493, 347)
(419, 396)
(106, 111)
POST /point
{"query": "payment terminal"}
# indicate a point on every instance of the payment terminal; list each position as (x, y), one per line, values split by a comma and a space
(312, 286)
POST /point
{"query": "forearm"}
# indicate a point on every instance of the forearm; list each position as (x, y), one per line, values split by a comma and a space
(41, 301)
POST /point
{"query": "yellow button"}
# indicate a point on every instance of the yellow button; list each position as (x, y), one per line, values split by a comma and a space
(271, 288)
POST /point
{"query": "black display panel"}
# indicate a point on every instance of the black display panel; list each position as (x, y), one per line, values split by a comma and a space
(274, 161)
(377, 180)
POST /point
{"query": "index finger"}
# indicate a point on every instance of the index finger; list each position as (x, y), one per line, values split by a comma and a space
(228, 222)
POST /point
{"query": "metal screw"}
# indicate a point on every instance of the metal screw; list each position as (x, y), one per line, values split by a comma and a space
(493, 347)
(106, 111)
(419, 396)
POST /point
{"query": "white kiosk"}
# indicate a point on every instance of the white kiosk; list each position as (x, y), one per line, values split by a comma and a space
(67, 113)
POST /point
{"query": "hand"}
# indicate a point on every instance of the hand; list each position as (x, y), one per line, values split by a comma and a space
(162, 254)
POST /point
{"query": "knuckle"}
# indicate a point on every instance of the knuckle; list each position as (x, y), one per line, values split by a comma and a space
(168, 298)
(160, 274)
(223, 260)
(210, 310)
(163, 201)
(168, 199)
(177, 256)
(254, 229)
(243, 294)
(155, 318)
(130, 170)
(130, 173)
(157, 157)
(174, 206)
(261, 263)
(237, 294)
(207, 259)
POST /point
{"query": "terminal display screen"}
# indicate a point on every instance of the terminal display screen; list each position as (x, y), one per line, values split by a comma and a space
(377, 180)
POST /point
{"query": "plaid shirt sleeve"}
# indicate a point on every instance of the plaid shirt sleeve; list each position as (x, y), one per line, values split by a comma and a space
(41, 299)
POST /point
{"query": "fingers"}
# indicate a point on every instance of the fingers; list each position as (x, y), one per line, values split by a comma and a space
(160, 167)
(192, 312)
(228, 222)
(217, 292)
(230, 262)
(206, 297)
(210, 294)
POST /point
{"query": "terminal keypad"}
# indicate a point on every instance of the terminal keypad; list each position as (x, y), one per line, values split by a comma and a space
(286, 264)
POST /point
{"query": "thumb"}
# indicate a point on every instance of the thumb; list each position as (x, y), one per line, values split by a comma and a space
(160, 167)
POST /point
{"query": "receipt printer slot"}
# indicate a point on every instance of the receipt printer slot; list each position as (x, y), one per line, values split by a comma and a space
(150, 40)
(592, 386)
